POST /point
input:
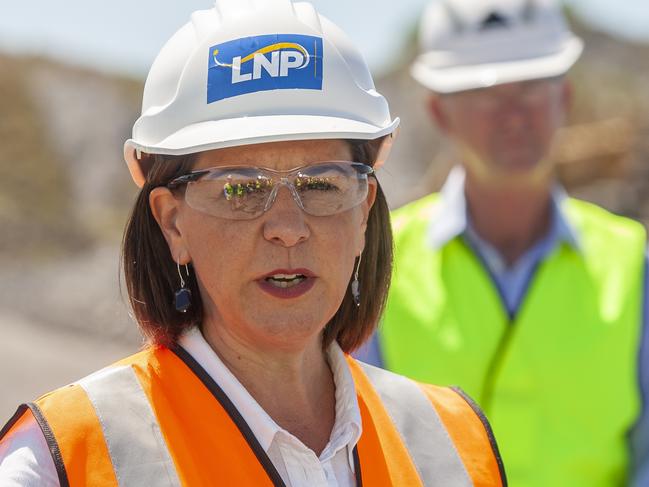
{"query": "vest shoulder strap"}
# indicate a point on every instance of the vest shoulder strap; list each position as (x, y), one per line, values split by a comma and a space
(470, 431)
(445, 433)
(110, 409)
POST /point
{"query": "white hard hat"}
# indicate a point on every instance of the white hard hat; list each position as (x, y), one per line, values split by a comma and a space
(252, 71)
(468, 44)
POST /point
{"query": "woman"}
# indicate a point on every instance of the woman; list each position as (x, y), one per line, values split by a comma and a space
(257, 255)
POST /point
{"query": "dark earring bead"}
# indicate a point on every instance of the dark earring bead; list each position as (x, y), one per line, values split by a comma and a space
(356, 292)
(183, 300)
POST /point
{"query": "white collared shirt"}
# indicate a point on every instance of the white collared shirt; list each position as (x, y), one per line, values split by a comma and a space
(25, 459)
(451, 217)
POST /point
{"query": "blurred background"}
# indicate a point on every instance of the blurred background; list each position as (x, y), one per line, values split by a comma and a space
(71, 77)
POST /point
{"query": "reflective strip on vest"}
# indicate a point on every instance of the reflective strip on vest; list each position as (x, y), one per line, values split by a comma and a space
(420, 428)
(124, 413)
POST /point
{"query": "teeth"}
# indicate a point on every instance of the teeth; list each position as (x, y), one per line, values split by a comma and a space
(285, 280)
(286, 277)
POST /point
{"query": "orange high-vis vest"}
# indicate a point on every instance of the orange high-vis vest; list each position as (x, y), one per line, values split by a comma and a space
(158, 419)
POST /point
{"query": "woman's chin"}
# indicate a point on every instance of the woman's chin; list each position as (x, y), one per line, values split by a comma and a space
(295, 324)
(292, 334)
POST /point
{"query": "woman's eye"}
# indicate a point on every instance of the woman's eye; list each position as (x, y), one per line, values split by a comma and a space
(317, 183)
(239, 190)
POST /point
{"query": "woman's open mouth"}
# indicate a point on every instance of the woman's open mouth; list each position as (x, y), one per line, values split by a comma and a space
(288, 284)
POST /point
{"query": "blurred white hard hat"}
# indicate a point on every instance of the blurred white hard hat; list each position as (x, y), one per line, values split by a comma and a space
(253, 71)
(468, 44)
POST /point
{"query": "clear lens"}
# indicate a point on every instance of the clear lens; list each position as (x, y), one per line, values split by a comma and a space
(235, 193)
(327, 189)
(241, 193)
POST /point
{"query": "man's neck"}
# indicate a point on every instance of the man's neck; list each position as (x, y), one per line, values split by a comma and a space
(510, 218)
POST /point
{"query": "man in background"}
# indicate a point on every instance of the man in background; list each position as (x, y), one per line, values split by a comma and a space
(530, 301)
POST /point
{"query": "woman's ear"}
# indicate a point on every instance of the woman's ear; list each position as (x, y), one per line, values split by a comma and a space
(366, 207)
(372, 188)
(165, 208)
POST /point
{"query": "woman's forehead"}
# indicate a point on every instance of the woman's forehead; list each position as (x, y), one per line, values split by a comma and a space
(277, 155)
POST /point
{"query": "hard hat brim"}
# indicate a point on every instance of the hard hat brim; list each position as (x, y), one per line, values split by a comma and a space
(460, 77)
(219, 134)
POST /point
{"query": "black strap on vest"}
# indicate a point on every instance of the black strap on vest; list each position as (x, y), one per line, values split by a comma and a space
(52, 444)
(490, 433)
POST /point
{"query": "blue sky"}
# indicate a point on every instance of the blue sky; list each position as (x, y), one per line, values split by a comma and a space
(123, 36)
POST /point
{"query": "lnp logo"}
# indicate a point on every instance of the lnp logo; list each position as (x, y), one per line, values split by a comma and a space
(262, 63)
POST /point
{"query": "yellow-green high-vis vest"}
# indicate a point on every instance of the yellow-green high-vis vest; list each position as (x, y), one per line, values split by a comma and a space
(558, 381)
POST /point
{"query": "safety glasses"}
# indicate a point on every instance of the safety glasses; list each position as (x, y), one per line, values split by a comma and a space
(246, 192)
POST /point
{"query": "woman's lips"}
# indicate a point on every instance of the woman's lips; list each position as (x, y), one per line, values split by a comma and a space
(287, 283)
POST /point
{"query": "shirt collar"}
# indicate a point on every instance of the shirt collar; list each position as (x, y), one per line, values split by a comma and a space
(450, 218)
(347, 427)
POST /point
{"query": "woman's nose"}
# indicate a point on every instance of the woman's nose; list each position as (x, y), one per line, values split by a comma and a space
(285, 222)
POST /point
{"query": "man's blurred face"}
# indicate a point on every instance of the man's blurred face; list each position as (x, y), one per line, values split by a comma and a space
(506, 130)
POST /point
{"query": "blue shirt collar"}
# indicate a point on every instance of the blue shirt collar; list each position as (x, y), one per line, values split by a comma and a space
(451, 220)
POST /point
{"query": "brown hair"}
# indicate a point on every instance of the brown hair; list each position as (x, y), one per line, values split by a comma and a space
(152, 276)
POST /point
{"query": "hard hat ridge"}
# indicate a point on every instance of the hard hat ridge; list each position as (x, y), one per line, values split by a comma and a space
(528, 13)
(529, 10)
(229, 10)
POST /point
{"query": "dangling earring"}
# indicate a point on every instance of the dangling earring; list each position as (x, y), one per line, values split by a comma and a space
(183, 297)
(356, 292)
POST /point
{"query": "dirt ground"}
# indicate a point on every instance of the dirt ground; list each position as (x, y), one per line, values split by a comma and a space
(35, 359)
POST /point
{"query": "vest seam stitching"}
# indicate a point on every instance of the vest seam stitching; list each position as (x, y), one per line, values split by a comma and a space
(13, 420)
(52, 444)
(485, 423)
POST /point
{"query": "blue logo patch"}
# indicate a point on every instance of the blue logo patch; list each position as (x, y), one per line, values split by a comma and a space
(262, 63)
